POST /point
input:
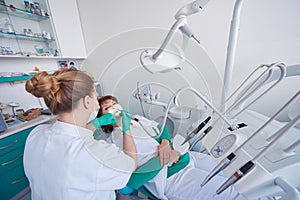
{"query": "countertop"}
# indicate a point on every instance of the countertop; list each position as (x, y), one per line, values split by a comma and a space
(27, 124)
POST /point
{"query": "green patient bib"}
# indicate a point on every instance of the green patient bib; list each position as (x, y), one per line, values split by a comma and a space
(145, 173)
(151, 168)
(183, 161)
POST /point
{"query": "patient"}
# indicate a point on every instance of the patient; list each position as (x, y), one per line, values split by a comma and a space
(164, 172)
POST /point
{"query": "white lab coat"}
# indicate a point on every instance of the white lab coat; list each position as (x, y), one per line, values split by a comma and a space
(63, 161)
(186, 183)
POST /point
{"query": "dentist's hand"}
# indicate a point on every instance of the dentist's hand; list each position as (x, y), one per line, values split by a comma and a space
(128, 142)
(106, 119)
(125, 120)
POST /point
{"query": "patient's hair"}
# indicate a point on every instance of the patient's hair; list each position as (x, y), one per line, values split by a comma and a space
(62, 90)
(106, 128)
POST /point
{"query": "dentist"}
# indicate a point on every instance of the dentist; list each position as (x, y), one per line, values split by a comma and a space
(62, 160)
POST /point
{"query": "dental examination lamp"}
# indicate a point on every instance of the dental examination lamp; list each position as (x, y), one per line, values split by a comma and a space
(154, 62)
(163, 61)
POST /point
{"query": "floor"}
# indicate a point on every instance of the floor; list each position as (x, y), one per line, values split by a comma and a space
(25, 195)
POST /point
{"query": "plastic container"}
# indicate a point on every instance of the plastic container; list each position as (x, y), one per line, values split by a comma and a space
(8, 26)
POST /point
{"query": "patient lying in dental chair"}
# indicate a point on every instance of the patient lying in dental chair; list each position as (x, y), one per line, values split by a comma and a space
(164, 172)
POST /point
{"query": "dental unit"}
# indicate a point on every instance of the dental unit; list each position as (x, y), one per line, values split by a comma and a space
(255, 85)
(247, 167)
(230, 158)
(153, 62)
(242, 98)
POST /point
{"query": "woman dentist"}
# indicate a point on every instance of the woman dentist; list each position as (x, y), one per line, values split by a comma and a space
(62, 160)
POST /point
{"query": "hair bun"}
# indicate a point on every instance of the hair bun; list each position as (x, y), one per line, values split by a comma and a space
(42, 85)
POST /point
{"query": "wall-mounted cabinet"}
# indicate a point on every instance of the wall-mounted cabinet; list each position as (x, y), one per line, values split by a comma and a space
(66, 19)
(26, 29)
(43, 29)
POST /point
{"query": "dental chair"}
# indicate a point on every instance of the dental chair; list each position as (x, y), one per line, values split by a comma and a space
(151, 169)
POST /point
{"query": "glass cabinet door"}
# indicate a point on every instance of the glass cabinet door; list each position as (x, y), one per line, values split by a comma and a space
(26, 29)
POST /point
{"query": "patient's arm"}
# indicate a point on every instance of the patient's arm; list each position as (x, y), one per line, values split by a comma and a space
(164, 152)
(174, 156)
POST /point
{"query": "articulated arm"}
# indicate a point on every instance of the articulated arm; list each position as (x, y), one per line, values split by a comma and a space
(190, 8)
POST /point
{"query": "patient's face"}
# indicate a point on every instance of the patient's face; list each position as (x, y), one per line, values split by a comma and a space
(106, 105)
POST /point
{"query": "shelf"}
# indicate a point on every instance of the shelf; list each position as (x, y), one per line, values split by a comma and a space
(14, 78)
(45, 56)
(23, 14)
(24, 37)
(22, 78)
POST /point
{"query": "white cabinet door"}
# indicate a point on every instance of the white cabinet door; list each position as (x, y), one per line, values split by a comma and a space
(67, 24)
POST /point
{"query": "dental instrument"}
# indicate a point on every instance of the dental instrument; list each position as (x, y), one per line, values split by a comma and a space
(139, 98)
(247, 167)
(116, 110)
(200, 136)
(196, 130)
(148, 97)
(227, 160)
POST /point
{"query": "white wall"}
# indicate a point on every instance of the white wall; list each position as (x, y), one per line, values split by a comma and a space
(15, 91)
(269, 29)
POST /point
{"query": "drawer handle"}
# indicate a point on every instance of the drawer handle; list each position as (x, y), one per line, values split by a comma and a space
(14, 142)
(18, 180)
(11, 161)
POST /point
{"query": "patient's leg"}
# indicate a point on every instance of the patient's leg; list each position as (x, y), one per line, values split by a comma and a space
(187, 185)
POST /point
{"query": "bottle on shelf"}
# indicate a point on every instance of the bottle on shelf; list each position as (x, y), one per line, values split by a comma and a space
(29, 32)
(43, 12)
(27, 6)
(8, 27)
(37, 9)
(32, 9)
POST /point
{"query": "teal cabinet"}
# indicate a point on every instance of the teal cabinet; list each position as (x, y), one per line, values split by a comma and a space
(14, 141)
(13, 182)
(12, 176)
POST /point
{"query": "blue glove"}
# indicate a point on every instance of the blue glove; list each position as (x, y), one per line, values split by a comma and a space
(106, 119)
(125, 120)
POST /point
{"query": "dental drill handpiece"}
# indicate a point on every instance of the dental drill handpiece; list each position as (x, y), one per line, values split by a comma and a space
(137, 120)
(227, 160)
(128, 114)
(236, 176)
(196, 130)
(219, 167)
(132, 117)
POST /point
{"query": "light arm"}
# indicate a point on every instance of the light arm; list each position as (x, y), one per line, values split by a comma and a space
(190, 8)
(180, 23)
